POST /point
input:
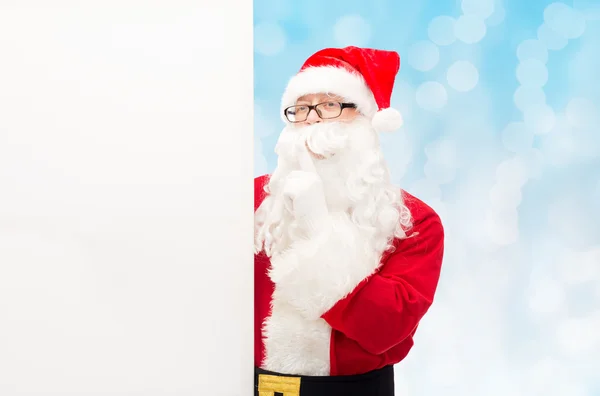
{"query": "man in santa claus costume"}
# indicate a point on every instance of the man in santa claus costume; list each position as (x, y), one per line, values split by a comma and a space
(346, 263)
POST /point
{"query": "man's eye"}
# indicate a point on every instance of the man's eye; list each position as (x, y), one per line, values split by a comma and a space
(301, 108)
(331, 104)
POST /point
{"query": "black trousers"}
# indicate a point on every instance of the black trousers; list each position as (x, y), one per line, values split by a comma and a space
(375, 383)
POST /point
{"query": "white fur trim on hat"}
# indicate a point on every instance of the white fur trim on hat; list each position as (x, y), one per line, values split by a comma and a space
(387, 120)
(334, 80)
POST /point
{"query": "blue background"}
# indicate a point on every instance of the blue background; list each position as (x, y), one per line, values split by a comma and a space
(500, 101)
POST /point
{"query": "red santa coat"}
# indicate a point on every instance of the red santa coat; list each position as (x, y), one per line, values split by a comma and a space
(374, 324)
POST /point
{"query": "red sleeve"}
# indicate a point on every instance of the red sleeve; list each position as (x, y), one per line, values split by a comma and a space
(259, 190)
(385, 309)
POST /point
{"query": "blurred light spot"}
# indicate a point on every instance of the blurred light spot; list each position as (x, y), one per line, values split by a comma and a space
(352, 30)
(546, 296)
(533, 161)
(469, 29)
(558, 149)
(545, 368)
(261, 166)
(269, 39)
(263, 123)
(549, 367)
(502, 226)
(423, 55)
(570, 218)
(517, 137)
(513, 171)
(577, 336)
(497, 382)
(562, 124)
(403, 98)
(541, 118)
(581, 113)
(439, 173)
(565, 21)
(532, 72)
(442, 151)
(462, 76)
(551, 39)
(479, 8)
(425, 189)
(441, 30)
(583, 66)
(398, 150)
(445, 371)
(532, 49)
(273, 9)
(527, 96)
(505, 196)
(589, 8)
(581, 267)
(298, 31)
(498, 16)
(588, 145)
(431, 95)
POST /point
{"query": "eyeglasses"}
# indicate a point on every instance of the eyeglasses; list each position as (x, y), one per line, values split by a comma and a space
(325, 110)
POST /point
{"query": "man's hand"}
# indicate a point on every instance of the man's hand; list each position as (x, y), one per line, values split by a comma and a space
(303, 194)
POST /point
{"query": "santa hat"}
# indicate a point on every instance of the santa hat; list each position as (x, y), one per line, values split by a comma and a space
(362, 76)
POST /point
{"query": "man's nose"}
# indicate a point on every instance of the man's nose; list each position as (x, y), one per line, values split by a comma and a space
(313, 117)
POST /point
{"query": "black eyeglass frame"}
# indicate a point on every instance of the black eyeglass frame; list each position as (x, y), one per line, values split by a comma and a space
(343, 105)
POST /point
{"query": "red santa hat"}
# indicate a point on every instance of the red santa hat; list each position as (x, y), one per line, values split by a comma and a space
(363, 76)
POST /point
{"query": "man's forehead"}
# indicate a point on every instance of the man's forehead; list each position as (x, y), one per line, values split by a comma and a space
(319, 96)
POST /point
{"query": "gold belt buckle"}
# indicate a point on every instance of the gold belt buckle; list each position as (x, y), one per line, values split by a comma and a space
(269, 384)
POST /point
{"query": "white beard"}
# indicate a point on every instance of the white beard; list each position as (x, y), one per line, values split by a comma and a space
(356, 182)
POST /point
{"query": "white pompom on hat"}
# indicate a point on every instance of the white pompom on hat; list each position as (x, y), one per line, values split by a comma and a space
(363, 76)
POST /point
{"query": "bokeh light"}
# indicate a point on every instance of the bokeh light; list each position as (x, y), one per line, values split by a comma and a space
(532, 72)
(497, 16)
(462, 76)
(582, 113)
(479, 8)
(431, 95)
(352, 30)
(565, 21)
(469, 29)
(517, 137)
(441, 30)
(589, 8)
(269, 39)
(551, 39)
(423, 55)
(527, 96)
(532, 49)
(541, 118)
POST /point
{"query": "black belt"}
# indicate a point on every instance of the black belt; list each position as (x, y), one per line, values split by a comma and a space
(374, 383)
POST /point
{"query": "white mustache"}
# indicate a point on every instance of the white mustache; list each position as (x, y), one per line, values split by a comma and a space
(326, 140)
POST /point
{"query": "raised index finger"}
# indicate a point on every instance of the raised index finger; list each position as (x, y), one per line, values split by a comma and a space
(304, 159)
